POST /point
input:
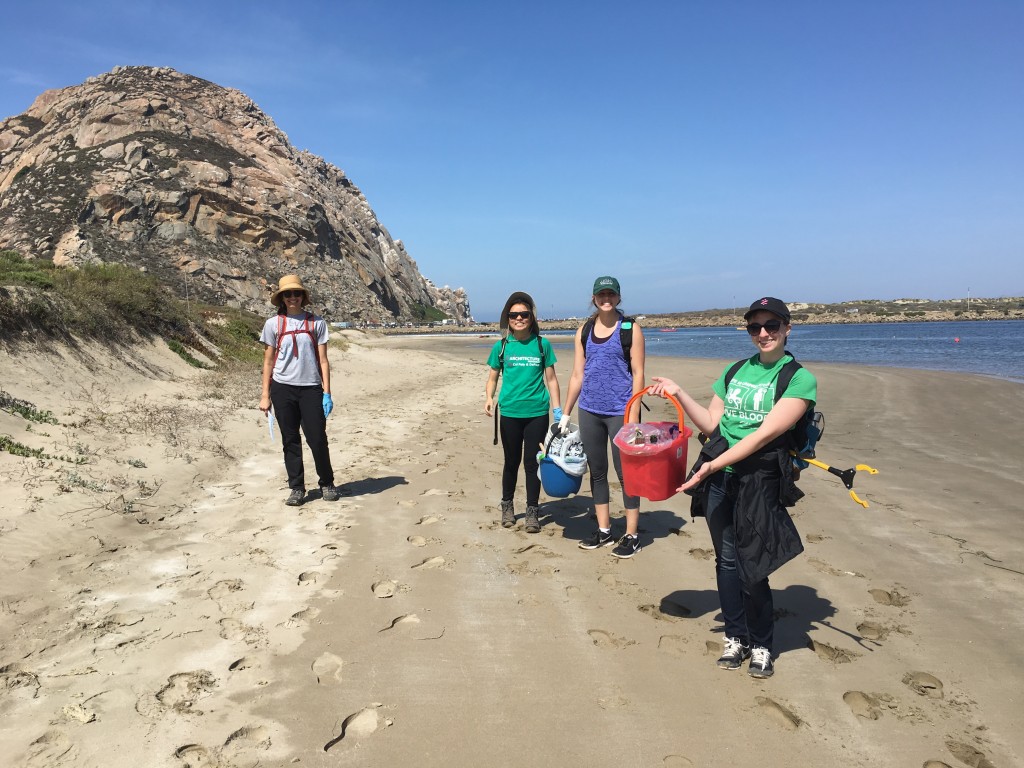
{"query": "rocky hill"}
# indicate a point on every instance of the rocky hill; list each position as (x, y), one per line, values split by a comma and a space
(193, 183)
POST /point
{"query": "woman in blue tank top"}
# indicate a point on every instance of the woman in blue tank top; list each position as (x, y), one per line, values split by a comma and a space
(604, 377)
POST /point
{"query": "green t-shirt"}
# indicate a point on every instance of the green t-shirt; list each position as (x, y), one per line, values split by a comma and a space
(523, 393)
(751, 395)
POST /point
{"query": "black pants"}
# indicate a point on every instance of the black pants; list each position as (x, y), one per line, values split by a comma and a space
(517, 435)
(295, 407)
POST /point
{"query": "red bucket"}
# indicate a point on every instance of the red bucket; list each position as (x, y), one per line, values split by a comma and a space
(655, 467)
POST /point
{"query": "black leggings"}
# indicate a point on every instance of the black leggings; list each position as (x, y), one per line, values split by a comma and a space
(295, 407)
(517, 435)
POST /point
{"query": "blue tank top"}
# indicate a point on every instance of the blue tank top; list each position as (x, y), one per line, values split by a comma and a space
(607, 382)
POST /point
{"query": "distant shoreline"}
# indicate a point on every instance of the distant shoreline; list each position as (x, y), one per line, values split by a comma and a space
(726, 321)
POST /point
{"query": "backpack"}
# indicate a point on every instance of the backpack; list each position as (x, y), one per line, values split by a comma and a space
(307, 327)
(625, 337)
(809, 428)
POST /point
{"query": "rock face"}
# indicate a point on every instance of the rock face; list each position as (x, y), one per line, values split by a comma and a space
(192, 182)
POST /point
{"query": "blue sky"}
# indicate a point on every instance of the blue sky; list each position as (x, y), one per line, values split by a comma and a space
(705, 153)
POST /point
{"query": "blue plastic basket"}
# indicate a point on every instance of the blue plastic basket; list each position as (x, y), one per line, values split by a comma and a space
(556, 481)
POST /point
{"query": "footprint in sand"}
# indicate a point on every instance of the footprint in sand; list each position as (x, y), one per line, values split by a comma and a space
(304, 616)
(780, 714)
(677, 761)
(872, 630)
(535, 549)
(429, 520)
(53, 748)
(935, 764)
(816, 538)
(417, 541)
(17, 682)
(406, 618)
(603, 639)
(434, 492)
(242, 743)
(184, 689)
(822, 567)
(386, 588)
(196, 756)
(701, 554)
(830, 653)
(359, 725)
(889, 597)
(672, 644)
(244, 663)
(965, 753)
(308, 577)
(616, 701)
(712, 648)
(862, 705)
(233, 629)
(572, 591)
(924, 684)
(431, 563)
(327, 667)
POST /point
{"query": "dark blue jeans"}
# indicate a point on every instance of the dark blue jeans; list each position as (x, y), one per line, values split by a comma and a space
(748, 609)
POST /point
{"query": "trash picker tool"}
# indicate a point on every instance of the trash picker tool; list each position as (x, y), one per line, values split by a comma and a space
(846, 475)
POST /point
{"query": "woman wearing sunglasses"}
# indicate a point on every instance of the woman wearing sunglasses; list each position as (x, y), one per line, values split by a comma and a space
(526, 362)
(740, 485)
(297, 381)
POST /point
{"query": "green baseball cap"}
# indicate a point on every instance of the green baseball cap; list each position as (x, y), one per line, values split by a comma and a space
(606, 283)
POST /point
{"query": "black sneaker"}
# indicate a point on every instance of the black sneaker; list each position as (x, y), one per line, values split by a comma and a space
(330, 492)
(597, 540)
(760, 662)
(508, 514)
(296, 497)
(735, 653)
(627, 547)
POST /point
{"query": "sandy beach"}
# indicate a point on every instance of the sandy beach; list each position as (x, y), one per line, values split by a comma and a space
(161, 606)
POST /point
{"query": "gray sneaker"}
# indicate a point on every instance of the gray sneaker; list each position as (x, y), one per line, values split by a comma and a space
(532, 520)
(508, 514)
(330, 492)
(296, 497)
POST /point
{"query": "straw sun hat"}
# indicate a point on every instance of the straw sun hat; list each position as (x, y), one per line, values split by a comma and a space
(289, 283)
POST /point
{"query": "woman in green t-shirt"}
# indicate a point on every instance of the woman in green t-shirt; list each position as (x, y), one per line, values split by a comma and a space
(526, 362)
(752, 532)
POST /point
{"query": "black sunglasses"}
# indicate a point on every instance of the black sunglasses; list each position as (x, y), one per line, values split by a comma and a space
(772, 326)
(291, 294)
(519, 315)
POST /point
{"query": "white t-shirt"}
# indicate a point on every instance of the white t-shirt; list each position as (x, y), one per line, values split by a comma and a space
(301, 370)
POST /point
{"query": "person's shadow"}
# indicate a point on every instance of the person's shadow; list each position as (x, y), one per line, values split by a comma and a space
(370, 485)
(577, 521)
(799, 610)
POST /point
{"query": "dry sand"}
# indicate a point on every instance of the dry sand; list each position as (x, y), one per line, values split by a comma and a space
(161, 606)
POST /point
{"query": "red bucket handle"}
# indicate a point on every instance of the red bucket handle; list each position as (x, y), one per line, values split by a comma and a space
(638, 395)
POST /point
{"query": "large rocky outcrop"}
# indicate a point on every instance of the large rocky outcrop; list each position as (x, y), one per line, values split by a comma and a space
(191, 181)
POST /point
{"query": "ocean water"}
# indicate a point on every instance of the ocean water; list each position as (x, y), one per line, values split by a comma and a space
(991, 347)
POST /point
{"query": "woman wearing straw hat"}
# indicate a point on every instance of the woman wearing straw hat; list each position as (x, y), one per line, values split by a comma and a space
(297, 381)
(527, 363)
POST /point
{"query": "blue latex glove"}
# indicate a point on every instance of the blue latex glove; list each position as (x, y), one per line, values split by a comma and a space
(328, 405)
(557, 413)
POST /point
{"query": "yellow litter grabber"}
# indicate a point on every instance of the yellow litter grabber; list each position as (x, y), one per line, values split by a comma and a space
(846, 475)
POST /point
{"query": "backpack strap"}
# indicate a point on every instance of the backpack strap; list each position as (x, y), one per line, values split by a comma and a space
(786, 375)
(625, 337)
